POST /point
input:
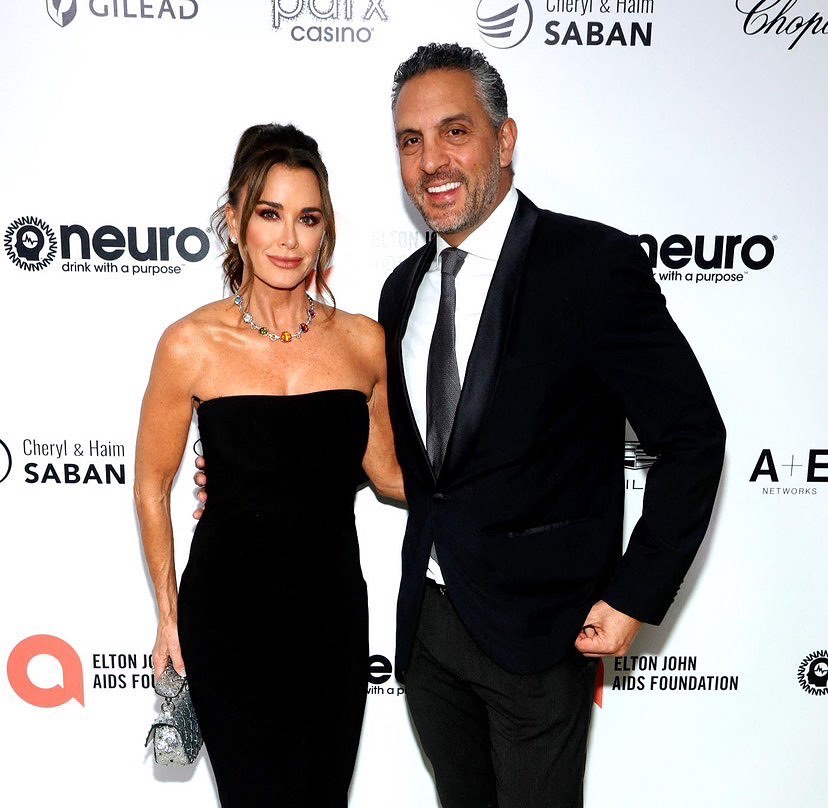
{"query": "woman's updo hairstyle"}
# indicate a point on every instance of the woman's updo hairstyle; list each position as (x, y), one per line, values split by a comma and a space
(259, 149)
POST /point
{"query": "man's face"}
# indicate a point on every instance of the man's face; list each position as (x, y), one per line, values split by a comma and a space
(452, 161)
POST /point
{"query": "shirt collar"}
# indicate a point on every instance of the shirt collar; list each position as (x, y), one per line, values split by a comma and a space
(487, 240)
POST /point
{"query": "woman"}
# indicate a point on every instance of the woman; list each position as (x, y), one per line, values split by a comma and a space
(291, 406)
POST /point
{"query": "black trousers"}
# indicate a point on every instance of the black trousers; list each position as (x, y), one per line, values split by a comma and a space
(496, 739)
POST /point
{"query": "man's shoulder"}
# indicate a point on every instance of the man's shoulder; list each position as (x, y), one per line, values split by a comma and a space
(412, 260)
(583, 248)
(402, 272)
(553, 224)
(398, 281)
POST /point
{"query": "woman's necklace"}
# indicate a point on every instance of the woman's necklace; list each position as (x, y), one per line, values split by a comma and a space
(285, 336)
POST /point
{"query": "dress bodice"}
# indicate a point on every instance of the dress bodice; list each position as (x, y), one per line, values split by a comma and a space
(292, 456)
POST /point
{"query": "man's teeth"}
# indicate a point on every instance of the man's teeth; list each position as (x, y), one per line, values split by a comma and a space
(441, 189)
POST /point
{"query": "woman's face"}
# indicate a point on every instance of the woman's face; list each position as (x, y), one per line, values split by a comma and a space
(285, 231)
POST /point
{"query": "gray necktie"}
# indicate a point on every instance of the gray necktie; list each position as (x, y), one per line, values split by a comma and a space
(443, 378)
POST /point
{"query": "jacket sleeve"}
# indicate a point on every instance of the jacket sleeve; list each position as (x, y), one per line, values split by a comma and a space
(636, 349)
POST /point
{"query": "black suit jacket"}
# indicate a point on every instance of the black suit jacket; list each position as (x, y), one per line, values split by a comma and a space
(527, 512)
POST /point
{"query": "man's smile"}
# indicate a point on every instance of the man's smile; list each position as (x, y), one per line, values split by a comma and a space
(441, 189)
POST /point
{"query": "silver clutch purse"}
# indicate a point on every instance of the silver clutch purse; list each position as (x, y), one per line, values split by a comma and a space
(175, 734)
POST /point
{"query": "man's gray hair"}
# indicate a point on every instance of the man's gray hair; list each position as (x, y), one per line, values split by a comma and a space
(434, 56)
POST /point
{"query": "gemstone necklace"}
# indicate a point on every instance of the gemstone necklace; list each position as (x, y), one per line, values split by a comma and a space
(285, 336)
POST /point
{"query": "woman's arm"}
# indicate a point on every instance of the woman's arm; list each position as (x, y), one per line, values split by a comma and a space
(166, 412)
(380, 460)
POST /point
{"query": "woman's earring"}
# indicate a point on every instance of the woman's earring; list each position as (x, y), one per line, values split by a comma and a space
(233, 240)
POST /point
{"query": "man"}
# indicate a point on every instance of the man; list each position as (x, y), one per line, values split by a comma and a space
(512, 365)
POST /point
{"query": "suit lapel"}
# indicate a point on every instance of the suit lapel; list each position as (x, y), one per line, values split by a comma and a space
(413, 437)
(490, 341)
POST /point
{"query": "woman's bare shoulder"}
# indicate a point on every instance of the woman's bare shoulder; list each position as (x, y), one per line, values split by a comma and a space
(362, 327)
(193, 332)
(364, 336)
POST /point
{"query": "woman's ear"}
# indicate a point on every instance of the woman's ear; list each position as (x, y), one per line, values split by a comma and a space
(230, 218)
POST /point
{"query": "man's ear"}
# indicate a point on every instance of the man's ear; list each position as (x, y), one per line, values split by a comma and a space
(506, 140)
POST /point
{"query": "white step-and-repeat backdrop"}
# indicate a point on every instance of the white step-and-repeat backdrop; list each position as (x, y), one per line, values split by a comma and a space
(700, 126)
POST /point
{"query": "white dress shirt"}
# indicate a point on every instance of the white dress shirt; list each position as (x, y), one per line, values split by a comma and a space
(483, 246)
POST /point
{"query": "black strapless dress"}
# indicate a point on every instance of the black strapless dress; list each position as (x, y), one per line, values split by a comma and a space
(273, 613)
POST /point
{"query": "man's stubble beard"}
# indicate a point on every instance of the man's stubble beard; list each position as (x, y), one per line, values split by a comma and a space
(477, 205)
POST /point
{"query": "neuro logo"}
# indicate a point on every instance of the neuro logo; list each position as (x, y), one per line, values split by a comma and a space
(30, 243)
(5, 461)
(813, 673)
(635, 457)
(62, 12)
(17, 669)
(504, 23)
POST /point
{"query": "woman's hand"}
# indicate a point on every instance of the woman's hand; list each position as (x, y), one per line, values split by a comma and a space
(167, 647)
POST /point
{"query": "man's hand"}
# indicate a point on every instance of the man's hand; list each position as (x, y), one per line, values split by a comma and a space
(200, 479)
(606, 632)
